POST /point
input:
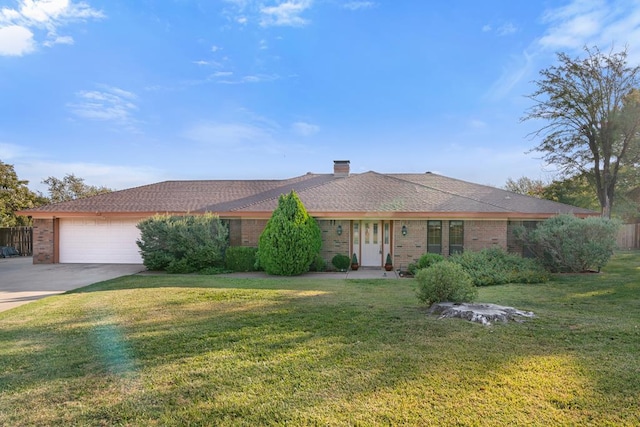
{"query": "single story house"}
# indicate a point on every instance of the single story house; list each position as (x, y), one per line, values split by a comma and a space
(370, 214)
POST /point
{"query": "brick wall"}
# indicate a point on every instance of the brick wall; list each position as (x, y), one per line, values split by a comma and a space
(485, 234)
(408, 249)
(250, 231)
(332, 243)
(43, 241)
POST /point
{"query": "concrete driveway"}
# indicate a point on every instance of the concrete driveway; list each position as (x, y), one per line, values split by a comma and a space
(22, 282)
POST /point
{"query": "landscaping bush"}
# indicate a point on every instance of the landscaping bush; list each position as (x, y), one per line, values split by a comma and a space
(445, 281)
(318, 264)
(241, 258)
(291, 239)
(568, 244)
(425, 261)
(494, 266)
(182, 244)
(341, 262)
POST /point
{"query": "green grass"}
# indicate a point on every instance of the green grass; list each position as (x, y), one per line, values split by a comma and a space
(202, 350)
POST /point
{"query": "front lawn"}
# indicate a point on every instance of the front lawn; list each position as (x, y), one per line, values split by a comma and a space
(205, 350)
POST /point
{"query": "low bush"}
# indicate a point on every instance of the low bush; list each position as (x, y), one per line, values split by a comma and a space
(495, 267)
(445, 281)
(341, 262)
(241, 258)
(425, 261)
(318, 264)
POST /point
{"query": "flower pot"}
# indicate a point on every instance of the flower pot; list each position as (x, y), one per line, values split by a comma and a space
(354, 266)
(388, 267)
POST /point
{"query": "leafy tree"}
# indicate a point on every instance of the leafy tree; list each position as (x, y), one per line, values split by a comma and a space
(291, 240)
(526, 186)
(592, 107)
(577, 190)
(15, 196)
(71, 187)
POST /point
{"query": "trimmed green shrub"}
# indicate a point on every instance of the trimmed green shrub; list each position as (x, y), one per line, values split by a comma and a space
(182, 244)
(494, 266)
(241, 258)
(568, 244)
(291, 239)
(445, 281)
(341, 262)
(425, 261)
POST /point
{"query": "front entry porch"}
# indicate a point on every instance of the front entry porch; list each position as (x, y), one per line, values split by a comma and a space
(372, 241)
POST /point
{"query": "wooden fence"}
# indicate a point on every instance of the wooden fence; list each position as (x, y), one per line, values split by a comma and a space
(629, 236)
(20, 238)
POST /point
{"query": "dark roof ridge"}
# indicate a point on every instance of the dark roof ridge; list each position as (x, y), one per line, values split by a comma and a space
(491, 187)
(313, 180)
(445, 191)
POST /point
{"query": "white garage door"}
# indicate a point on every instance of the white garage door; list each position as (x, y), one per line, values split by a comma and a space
(101, 241)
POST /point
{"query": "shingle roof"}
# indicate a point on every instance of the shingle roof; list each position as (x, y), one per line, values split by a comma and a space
(322, 194)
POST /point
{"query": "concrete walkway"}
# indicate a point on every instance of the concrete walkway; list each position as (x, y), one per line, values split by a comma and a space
(21, 281)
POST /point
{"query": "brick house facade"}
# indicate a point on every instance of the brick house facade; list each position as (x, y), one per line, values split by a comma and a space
(369, 214)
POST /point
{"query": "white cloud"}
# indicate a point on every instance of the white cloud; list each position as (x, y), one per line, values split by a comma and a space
(215, 48)
(507, 29)
(59, 40)
(285, 14)
(234, 134)
(18, 26)
(15, 41)
(504, 29)
(357, 5)
(304, 129)
(107, 104)
(569, 29)
(597, 22)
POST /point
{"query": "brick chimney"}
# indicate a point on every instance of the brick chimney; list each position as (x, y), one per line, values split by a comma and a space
(341, 168)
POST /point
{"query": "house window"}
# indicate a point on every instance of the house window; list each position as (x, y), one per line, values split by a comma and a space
(386, 233)
(434, 237)
(456, 237)
(375, 233)
(356, 234)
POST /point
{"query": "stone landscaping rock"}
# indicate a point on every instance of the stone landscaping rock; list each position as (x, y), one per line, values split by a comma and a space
(480, 312)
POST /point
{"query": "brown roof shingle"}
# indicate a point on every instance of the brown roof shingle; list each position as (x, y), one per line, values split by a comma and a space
(384, 195)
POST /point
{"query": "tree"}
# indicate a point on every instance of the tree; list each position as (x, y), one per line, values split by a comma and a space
(576, 190)
(526, 186)
(15, 196)
(291, 240)
(71, 187)
(592, 107)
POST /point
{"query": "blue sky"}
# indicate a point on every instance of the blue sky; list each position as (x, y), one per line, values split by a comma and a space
(125, 93)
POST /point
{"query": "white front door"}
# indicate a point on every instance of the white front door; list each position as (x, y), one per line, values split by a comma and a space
(371, 239)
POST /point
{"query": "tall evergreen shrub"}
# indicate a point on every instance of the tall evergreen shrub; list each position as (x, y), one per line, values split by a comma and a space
(291, 239)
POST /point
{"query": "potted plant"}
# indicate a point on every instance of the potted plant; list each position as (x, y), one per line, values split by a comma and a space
(354, 262)
(388, 265)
